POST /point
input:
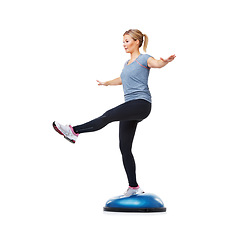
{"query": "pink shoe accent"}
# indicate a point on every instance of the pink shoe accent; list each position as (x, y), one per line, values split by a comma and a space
(75, 134)
(135, 187)
(56, 129)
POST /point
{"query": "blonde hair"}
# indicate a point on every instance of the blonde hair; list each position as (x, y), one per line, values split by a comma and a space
(137, 35)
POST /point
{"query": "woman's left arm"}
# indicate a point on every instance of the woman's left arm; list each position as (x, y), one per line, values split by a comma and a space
(153, 63)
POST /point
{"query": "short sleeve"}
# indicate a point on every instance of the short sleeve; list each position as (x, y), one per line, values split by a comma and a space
(145, 59)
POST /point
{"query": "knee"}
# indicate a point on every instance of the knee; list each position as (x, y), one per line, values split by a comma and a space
(105, 118)
(107, 114)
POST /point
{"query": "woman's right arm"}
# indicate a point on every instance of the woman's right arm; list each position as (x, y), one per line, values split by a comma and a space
(114, 82)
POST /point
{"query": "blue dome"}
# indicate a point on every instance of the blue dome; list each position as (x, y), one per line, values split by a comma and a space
(145, 202)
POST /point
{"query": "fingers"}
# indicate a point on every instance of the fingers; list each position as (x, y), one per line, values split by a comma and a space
(169, 59)
(99, 83)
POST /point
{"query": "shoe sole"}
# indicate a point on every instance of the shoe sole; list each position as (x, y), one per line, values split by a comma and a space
(57, 130)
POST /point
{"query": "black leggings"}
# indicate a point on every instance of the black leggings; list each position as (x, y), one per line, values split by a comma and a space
(129, 114)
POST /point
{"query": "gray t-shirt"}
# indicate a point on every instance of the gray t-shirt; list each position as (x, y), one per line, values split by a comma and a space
(135, 79)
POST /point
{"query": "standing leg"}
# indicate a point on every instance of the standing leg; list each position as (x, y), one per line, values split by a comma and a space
(126, 134)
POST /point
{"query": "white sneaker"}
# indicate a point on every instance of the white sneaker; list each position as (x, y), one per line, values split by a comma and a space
(66, 131)
(133, 191)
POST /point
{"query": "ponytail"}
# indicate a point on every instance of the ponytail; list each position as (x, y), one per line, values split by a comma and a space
(145, 42)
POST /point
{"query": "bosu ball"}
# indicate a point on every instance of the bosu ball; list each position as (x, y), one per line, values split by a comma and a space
(144, 202)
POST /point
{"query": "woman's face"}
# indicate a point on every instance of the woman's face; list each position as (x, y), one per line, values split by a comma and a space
(129, 44)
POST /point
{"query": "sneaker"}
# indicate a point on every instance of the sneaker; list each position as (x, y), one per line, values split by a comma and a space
(66, 131)
(133, 191)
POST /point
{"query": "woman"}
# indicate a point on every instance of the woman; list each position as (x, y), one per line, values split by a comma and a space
(137, 106)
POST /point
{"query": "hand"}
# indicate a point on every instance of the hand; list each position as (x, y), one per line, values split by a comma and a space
(101, 83)
(169, 59)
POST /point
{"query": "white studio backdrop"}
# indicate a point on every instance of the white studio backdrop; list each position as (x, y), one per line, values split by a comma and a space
(186, 151)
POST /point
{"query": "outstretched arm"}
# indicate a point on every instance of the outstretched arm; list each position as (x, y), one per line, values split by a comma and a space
(153, 63)
(114, 82)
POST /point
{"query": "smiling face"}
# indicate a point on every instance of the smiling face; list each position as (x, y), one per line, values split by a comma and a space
(129, 44)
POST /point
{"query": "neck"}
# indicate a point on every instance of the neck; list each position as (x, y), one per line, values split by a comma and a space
(135, 54)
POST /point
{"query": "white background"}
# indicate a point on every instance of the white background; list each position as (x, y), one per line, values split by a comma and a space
(187, 150)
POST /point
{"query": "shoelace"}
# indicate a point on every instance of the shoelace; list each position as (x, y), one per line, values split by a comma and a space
(68, 132)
